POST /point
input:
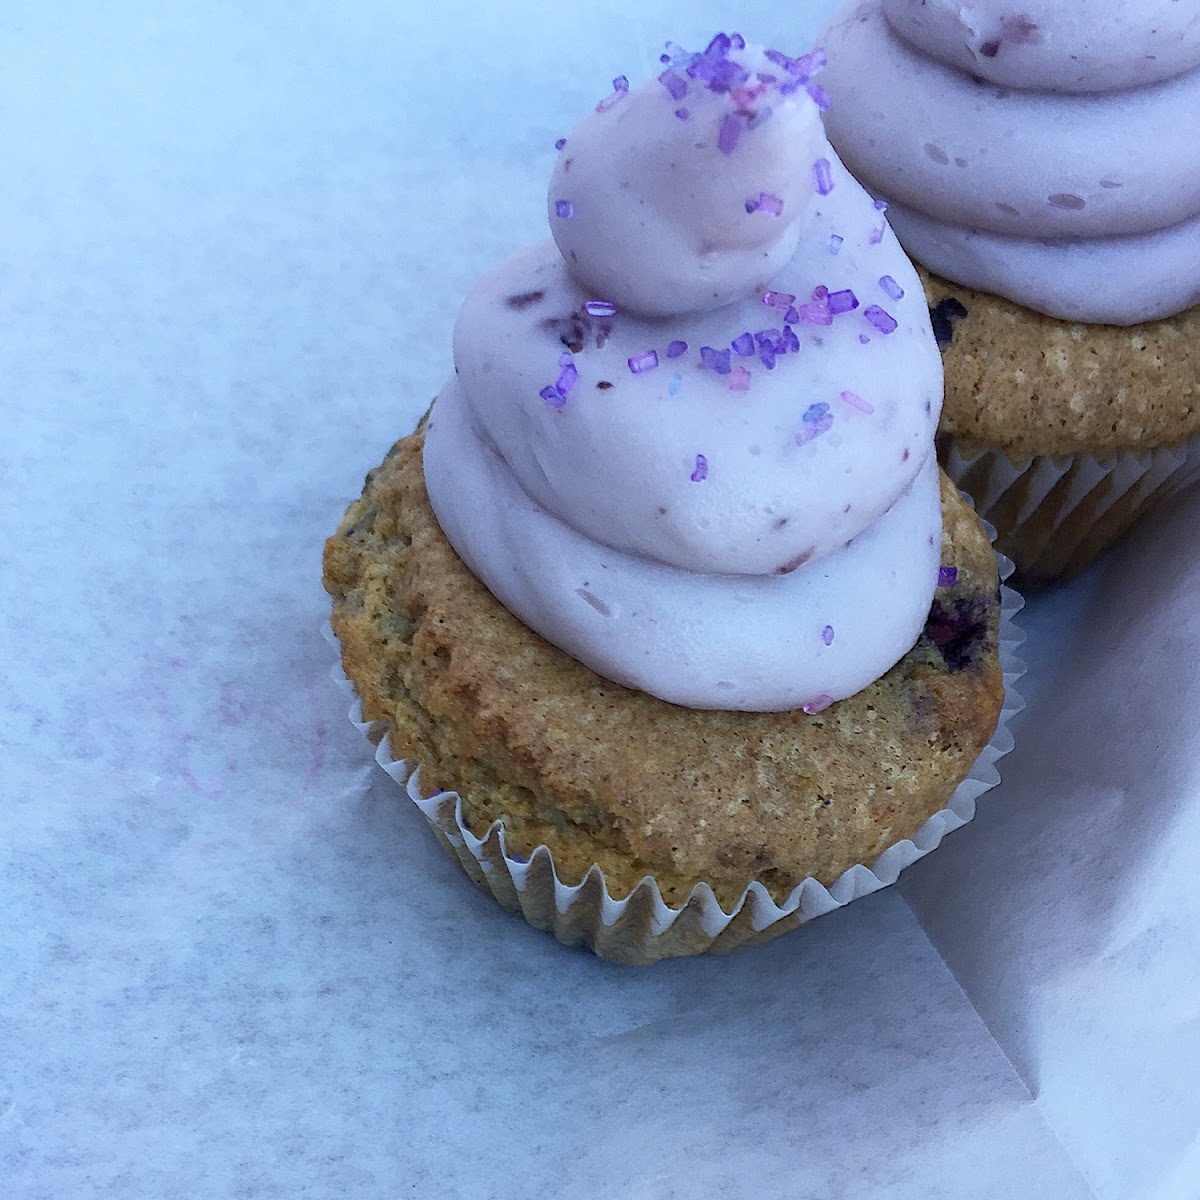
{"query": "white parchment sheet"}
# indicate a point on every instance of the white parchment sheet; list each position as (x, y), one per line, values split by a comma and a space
(233, 961)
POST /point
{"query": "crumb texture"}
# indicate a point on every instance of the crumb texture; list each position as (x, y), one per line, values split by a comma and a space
(603, 774)
(1029, 384)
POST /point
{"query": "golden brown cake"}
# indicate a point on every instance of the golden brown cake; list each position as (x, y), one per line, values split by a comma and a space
(1063, 432)
(602, 774)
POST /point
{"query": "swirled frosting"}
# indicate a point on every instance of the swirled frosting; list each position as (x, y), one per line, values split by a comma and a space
(1048, 154)
(689, 442)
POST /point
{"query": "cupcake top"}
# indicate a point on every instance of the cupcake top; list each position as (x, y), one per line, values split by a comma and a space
(690, 441)
(1048, 156)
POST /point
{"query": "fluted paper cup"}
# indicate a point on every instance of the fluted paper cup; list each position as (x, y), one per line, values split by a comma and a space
(1054, 515)
(641, 928)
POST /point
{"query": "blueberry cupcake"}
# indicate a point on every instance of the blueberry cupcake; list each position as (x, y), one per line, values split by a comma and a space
(1042, 168)
(667, 598)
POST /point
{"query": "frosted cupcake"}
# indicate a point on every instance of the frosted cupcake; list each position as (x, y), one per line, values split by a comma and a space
(1044, 168)
(666, 597)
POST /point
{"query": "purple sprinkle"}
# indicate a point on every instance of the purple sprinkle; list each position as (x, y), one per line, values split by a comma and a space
(620, 88)
(674, 83)
(891, 287)
(564, 209)
(770, 204)
(883, 321)
(565, 358)
(744, 97)
(817, 704)
(553, 397)
(791, 317)
(751, 206)
(842, 302)
(700, 474)
(743, 344)
(715, 360)
(779, 300)
(739, 380)
(877, 234)
(567, 379)
(517, 858)
(827, 635)
(835, 242)
(643, 362)
(820, 96)
(815, 313)
(820, 292)
(862, 337)
(682, 114)
(719, 46)
(790, 341)
(739, 42)
(947, 576)
(812, 63)
(560, 143)
(675, 349)
(766, 355)
(779, 58)
(823, 175)
(882, 205)
(817, 420)
(856, 401)
(600, 308)
(731, 130)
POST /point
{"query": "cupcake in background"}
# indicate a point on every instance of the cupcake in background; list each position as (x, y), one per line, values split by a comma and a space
(1042, 166)
(667, 597)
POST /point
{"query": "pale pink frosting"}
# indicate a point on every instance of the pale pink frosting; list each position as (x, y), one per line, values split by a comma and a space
(1083, 205)
(739, 529)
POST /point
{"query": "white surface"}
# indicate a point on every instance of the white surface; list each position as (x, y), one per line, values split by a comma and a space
(233, 961)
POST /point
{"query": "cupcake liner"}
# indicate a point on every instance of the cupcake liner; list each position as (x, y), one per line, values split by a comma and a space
(642, 928)
(1055, 514)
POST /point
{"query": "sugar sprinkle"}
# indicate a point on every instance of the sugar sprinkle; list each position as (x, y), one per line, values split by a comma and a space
(856, 401)
(883, 321)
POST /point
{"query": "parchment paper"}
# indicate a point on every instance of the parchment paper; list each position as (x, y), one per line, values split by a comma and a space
(233, 962)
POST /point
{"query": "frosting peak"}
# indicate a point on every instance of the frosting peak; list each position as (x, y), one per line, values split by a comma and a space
(676, 196)
(691, 444)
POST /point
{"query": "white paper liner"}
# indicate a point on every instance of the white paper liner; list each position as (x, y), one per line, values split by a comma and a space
(642, 928)
(1056, 514)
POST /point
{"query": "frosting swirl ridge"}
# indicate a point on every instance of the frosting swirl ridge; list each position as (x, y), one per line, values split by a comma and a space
(1031, 172)
(1045, 45)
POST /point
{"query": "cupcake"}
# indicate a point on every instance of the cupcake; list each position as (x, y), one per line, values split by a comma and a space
(1043, 169)
(666, 597)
